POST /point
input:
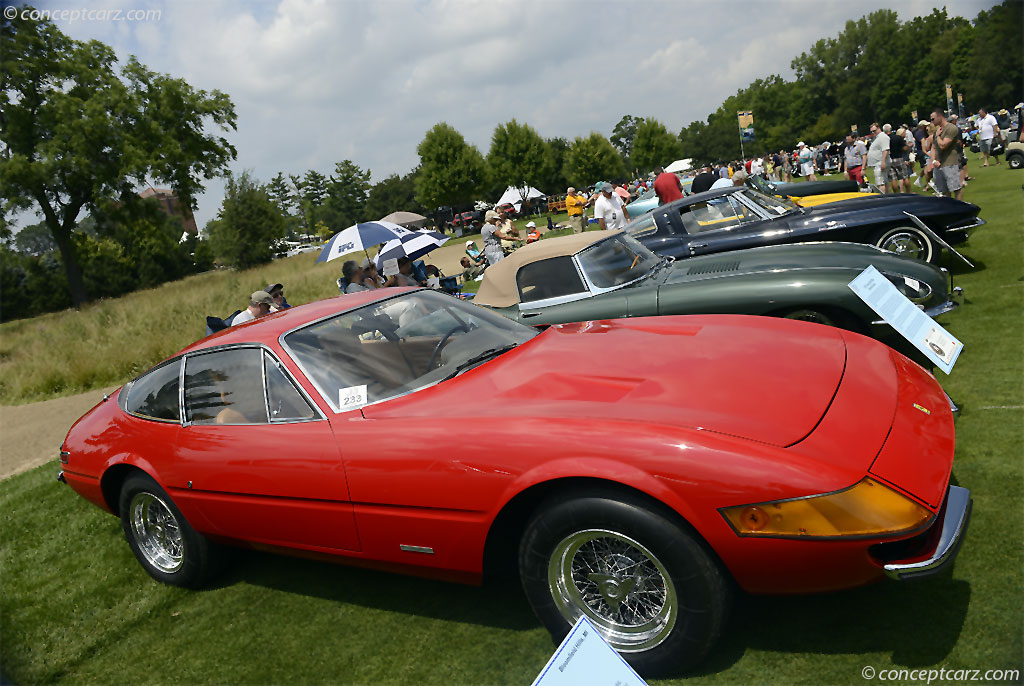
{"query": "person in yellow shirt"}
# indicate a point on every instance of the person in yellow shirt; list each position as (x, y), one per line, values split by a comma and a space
(576, 206)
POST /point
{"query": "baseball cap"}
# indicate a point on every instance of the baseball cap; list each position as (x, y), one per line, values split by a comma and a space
(491, 214)
(261, 297)
(606, 187)
(271, 287)
(531, 225)
(469, 243)
(800, 144)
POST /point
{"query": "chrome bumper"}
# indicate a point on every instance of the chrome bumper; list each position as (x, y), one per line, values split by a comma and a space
(955, 514)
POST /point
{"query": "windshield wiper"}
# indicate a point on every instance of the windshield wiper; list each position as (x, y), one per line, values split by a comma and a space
(477, 359)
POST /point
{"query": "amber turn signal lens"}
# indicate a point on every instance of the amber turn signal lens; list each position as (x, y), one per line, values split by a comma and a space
(868, 508)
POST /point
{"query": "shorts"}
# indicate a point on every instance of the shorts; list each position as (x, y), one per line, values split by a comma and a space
(947, 179)
(855, 174)
(807, 168)
(880, 176)
(898, 170)
(986, 145)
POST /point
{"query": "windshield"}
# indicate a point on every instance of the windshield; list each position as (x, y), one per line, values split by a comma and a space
(398, 345)
(773, 205)
(759, 183)
(616, 260)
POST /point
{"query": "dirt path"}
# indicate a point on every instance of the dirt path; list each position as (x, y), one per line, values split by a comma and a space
(30, 435)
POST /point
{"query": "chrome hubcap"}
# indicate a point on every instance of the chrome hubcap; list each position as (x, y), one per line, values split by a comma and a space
(620, 586)
(906, 244)
(156, 532)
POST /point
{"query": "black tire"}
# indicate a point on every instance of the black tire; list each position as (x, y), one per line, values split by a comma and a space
(165, 545)
(908, 241)
(1015, 160)
(678, 591)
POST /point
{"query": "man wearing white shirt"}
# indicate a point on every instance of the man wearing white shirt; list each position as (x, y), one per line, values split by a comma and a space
(988, 127)
(608, 209)
(878, 156)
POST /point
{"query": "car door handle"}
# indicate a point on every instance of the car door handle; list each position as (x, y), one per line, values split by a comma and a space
(530, 314)
(698, 245)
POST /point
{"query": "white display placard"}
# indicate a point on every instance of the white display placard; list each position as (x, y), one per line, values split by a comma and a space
(938, 345)
(389, 267)
(351, 398)
(584, 657)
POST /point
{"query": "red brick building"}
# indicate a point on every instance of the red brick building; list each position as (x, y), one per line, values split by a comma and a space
(170, 206)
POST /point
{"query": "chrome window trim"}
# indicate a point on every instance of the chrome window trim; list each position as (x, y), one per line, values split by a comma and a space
(266, 391)
(561, 299)
(266, 349)
(126, 391)
(288, 376)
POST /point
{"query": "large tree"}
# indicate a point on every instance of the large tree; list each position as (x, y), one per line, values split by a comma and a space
(248, 224)
(452, 171)
(592, 159)
(654, 146)
(516, 157)
(392, 194)
(346, 196)
(553, 180)
(77, 135)
(624, 134)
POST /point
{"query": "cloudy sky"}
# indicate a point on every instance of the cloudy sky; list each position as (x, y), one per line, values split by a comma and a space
(318, 81)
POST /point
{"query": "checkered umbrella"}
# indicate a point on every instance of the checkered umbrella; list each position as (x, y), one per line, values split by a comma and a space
(417, 244)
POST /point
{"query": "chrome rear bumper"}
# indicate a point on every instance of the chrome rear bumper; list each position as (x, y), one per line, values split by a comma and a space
(954, 517)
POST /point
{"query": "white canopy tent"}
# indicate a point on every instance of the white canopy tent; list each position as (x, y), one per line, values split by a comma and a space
(679, 166)
(513, 195)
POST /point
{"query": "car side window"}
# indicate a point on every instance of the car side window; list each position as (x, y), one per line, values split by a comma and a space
(155, 395)
(550, 278)
(710, 215)
(225, 387)
(286, 403)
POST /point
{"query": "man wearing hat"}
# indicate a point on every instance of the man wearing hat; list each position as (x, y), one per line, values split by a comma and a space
(576, 206)
(806, 158)
(608, 209)
(493, 235)
(276, 291)
(260, 303)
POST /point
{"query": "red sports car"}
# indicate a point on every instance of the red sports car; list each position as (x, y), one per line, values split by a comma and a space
(633, 470)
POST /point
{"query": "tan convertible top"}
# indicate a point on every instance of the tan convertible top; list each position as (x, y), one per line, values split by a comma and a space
(498, 288)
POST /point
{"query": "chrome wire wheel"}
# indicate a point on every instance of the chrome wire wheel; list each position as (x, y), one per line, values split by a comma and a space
(622, 588)
(156, 532)
(906, 242)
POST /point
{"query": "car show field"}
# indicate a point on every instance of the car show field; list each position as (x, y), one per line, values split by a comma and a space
(78, 609)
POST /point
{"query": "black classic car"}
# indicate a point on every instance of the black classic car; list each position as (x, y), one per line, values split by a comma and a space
(734, 218)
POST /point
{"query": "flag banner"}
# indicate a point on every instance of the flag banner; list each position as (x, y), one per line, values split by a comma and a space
(960, 99)
(913, 115)
(853, 130)
(746, 121)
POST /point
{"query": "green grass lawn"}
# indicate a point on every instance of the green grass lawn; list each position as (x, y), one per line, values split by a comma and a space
(76, 608)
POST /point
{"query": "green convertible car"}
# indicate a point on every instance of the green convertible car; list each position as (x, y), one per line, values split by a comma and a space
(609, 274)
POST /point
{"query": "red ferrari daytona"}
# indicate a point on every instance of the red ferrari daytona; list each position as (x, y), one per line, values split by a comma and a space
(634, 471)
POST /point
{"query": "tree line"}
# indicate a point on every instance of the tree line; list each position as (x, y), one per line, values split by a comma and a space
(79, 136)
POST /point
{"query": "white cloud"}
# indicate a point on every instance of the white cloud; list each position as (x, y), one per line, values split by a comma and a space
(315, 82)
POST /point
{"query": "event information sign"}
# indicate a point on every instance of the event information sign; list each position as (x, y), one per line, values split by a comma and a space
(586, 658)
(907, 318)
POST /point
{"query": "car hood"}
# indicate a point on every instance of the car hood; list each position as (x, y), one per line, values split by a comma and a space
(784, 259)
(869, 206)
(766, 380)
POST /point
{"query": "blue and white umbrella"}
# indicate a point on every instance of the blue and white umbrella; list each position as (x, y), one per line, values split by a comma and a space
(416, 244)
(360, 237)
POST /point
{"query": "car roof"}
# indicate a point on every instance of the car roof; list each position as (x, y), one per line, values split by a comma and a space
(270, 327)
(499, 285)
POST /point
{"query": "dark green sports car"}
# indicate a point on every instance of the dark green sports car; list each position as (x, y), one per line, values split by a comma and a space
(610, 274)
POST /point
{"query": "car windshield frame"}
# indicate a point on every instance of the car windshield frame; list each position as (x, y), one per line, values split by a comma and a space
(374, 323)
(770, 206)
(643, 266)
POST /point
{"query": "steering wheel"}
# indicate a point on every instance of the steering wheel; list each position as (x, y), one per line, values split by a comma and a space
(440, 343)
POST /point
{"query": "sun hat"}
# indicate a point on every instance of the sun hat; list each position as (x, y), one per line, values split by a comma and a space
(260, 298)
(800, 144)
(469, 243)
(531, 225)
(491, 214)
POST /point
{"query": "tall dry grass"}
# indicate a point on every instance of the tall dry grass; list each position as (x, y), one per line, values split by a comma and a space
(111, 341)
